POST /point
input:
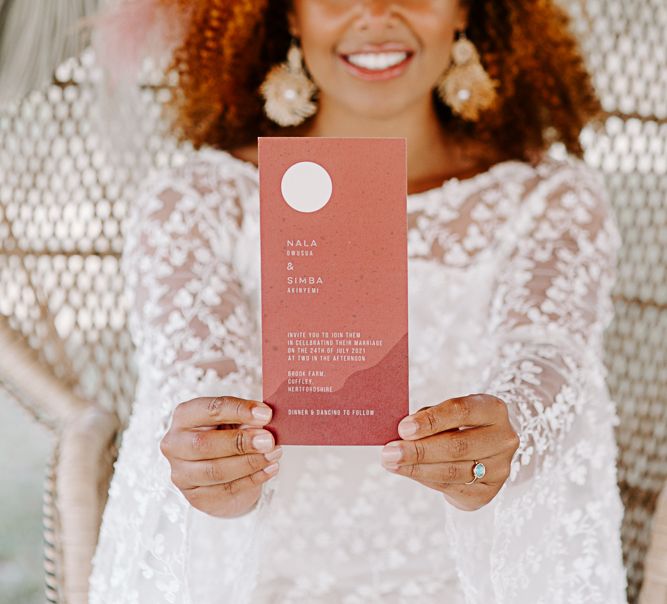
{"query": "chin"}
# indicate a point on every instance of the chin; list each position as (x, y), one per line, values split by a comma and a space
(377, 108)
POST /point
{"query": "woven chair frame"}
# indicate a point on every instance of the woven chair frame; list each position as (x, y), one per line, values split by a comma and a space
(65, 352)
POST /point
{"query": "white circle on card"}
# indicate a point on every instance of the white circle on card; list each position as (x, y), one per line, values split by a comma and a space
(306, 186)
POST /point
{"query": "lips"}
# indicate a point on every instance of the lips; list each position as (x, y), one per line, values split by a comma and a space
(378, 47)
(377, 74)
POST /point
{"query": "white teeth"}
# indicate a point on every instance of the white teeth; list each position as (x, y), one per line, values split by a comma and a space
(377, 60)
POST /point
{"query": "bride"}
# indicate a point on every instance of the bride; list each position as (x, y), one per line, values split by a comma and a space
(500, 485)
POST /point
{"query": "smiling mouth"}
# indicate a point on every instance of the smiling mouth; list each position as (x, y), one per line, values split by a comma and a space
(377, 65)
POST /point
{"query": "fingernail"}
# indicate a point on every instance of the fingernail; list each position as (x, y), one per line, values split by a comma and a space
(272, 469)
(391, 453)
(263, 442)
(261, 413)
(275, 454)
(407, 427)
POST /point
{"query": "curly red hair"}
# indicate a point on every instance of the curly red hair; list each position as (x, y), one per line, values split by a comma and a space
(545, 91)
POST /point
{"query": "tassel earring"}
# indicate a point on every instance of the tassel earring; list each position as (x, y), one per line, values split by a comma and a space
(287, 90)
(466, 87)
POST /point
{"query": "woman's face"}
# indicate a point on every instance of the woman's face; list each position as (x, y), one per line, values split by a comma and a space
(376, 57)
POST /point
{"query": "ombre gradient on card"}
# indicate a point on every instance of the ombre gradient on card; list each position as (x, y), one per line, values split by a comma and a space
(333, 229)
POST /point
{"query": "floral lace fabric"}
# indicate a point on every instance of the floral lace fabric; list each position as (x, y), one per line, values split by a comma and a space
(510, 275)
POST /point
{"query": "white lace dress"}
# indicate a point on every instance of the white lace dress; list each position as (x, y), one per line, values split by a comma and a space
(510, 275)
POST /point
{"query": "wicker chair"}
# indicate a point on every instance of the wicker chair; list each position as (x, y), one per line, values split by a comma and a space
(66, 356)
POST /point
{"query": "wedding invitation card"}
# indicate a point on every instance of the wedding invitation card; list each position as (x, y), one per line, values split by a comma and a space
(334, 295)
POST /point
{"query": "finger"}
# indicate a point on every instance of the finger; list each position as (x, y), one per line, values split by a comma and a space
(189, 474)
(470, 410)
(214, 410)
(455, 472)
(196, 445)
(469, 497)
(200, 496)
(456, 445)
(465, 497)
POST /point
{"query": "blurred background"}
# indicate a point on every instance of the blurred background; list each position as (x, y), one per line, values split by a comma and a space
(72, 153)
(23, 455)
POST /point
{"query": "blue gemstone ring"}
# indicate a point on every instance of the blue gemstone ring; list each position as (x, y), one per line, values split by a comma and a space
(478, 471)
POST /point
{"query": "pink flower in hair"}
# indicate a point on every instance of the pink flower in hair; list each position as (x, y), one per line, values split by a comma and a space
(125, 34)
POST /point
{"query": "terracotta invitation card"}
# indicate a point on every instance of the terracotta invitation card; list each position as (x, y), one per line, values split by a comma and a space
(334, 289)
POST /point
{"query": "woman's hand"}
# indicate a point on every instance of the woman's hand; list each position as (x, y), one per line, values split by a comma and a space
(440, 455)
(219, 456)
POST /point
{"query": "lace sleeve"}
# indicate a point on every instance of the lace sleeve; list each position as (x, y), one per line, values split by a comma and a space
(189, 314)
(540, 539)
(194, 328)
(551, 306)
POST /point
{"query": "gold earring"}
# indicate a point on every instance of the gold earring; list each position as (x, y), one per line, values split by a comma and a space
(287, 90)
(466, 87)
